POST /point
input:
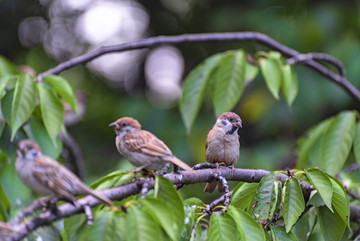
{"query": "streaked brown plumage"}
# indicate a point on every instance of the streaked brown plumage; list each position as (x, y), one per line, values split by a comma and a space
(48, 177)
(142, 148)
(222, 145)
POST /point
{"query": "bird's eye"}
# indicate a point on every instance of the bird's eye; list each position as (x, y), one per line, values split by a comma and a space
(123, 124)
(231, 119)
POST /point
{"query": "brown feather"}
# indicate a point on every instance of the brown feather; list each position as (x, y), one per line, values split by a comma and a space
(180, 163)
(147, 143)
(64, 182)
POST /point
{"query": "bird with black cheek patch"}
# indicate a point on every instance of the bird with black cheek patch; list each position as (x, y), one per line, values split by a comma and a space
(223, 145)
(142, 148)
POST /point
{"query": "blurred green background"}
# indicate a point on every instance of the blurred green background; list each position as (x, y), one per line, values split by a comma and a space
(146, 84)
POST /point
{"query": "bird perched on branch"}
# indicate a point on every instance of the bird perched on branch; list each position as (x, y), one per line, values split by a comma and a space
(223, 145)
(142, 148)
(48, 177)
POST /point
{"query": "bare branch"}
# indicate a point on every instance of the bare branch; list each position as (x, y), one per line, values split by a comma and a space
(301, 58)
(118, 193)
(206, 37)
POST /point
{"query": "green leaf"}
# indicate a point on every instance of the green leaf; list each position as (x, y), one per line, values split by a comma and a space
(272, 70)
(140, 226)
(6, 67)
(52, 110)
(230, 81)
(315, 199)
(73, 226)
(163, 215)
(251, 72)
(357, 143)
(267, 197)
(305, 225)
(337, 141)
(289, 84)
(249, 229)
(23, 102)
(6, 146)
(165, 190)
(36, 131)
(194, 201)
(305, 144)
(331, 224)
(243, 194)
(194, 89)
(279, 234)
(340, 200)
(294, 203)
(222, 227)
(104, 228)
(5, 204)
(6, 104)
(198, 234)
(190, 222)
(3, 82)
(63, 88)
(315, 154)
(322, 184)
(113, 179)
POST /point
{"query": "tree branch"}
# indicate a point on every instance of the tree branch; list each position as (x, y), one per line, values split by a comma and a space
(132, 188)
(301, 58)
(118, 193)
(208, 37)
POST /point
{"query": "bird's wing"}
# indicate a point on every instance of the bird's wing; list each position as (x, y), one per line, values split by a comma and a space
(147, 143)
(55, 177)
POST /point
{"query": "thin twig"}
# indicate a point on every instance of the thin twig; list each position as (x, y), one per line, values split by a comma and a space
(351, 194)
(301, 58)
(88, 214)
(73, 155)
(226, 188)
(144, 190)
(352, 168)
(206, 37)
(204, 165)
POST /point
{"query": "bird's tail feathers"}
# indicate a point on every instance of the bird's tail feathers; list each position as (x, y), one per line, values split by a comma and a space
(211, 186)
(99, 196)
(180, 163)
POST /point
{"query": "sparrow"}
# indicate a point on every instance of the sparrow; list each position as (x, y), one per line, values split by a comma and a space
(223, 145)
(48, 177)
(142, 148)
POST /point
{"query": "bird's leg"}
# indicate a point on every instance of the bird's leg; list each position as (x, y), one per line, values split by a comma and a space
(232, 168)
(220, 164)
(137, 170)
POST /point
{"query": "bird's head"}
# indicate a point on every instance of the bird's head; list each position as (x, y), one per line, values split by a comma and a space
(125, 125)
(28, 149)
(230, 122)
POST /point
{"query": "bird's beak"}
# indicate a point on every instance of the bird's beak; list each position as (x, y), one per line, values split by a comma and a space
(114, 125)
(237, 124)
